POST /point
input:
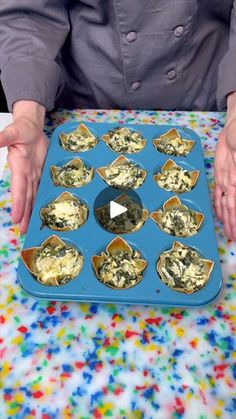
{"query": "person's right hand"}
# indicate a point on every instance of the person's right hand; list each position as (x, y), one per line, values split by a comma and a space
(225, 179)
(27, 148)
(225, 171)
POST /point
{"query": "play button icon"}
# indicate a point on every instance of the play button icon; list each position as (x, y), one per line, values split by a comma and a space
(119, 211)
(116, 209)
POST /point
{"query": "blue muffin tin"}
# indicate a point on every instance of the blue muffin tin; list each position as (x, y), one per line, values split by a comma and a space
(91, 238)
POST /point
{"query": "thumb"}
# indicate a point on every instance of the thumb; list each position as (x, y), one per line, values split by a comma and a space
(8, 136)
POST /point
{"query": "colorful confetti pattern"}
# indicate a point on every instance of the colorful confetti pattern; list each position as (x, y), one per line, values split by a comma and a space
(71, 360)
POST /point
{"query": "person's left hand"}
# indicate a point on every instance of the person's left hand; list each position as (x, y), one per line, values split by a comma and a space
(225, 179)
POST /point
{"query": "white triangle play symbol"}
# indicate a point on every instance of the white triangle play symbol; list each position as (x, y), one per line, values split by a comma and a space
(116, 209)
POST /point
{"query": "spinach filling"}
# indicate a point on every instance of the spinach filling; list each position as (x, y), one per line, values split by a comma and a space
(78, 140)
(120, 269)
(70, 175)
(175, 179)
(68, 214)
(179, 221)
(128, 175)
(173, 147)
(125, 140)
(183, 269)
(57, 264)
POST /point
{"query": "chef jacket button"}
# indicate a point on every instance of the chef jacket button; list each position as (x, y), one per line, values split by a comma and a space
(171, 74)
(178, 31)
(136, 85)
(131, 36)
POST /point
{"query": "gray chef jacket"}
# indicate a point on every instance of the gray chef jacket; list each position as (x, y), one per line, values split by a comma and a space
(143, 54)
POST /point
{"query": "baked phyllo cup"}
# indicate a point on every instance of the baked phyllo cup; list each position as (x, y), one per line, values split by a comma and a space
(171, 143)
(176, 179)
(120, 267)
(81, 139)
(177, 219)
(54, 262)
(73, 174)
(122, 173)
(124, 140)
(65, 213)
(127, 222)
(183, 269)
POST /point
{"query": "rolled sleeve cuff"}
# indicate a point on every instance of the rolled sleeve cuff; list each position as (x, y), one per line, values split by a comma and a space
(32, 78)
(226, 78)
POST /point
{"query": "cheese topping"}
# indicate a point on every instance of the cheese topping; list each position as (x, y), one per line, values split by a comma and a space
(57, 264)
(78, 140)
(64, 214)
(183, 269)
(128, 175)
(174, 147)
(176, 180)
(120, 270)
(125, 140)
(179, 221)
(72, 176)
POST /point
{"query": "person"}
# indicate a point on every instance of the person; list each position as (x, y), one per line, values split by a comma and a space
(162, 54)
